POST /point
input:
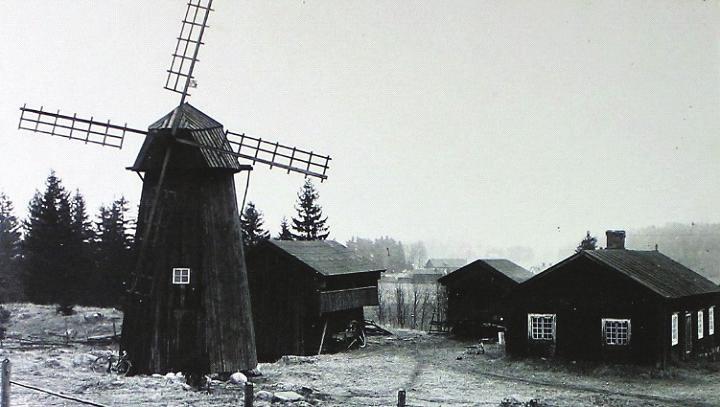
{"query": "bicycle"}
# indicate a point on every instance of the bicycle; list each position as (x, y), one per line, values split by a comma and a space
(112, 364)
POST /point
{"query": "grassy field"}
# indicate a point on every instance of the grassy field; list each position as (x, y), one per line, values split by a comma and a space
(434, 370)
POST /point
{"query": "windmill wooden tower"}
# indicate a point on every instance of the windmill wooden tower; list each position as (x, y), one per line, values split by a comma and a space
(188, 304)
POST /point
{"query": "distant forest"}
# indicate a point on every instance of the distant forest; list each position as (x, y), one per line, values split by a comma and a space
(696, 245)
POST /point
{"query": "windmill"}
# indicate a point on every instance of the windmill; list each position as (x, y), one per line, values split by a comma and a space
(188, 305)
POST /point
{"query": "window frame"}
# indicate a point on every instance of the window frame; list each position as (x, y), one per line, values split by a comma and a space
(700, 323)
(181, 275)
(711, 320)
(553, 327)
(628, 334)
(674, 329)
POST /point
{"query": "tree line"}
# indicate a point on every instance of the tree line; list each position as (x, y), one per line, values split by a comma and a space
(58, 255)
(308, 224)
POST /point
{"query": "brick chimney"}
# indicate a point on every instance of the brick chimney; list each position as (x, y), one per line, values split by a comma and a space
(615, 239)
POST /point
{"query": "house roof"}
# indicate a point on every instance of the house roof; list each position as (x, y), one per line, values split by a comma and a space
(502, 266)
(655, 271)
(445, 263)
(327, 257)
(202, 130)
(651, 269)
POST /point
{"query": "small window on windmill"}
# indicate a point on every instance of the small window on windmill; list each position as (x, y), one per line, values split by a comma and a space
(181, 275)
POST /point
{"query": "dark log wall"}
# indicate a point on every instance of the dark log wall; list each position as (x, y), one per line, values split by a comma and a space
(581, 294)
(699, 347)
(205, 326)
(477, 297)
(284, 297)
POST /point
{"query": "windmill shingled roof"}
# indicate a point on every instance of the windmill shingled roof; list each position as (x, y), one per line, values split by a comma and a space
(327, 257)
(191, 118)
(503, 266)
(202, 130)
(655, 271)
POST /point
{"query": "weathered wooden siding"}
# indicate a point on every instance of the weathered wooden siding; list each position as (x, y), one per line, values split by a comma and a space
(287, 299)
(207, 325)
(339, 300)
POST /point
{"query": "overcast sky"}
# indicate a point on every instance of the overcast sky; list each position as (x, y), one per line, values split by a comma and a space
(476, 126)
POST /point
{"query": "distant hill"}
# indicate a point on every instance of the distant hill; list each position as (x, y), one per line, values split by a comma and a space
(696, 245)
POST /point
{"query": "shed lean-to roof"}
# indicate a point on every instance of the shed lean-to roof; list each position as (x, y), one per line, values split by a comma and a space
(445, 263)
(502, 266)
(202, 130)
(655, 271)
(327, 257)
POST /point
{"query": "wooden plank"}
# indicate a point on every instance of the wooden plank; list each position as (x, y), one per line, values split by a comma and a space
(339, 300)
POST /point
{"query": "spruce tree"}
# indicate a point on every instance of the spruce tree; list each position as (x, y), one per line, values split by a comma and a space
(113, 252)
(10, 286)
(310, 223)
(83, 262)
(252, 222)
(588, 243)
(285, 233)
(51, 247)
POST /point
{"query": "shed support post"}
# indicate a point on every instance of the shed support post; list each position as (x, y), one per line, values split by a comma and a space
(322, 338)
(248, 395)
(401, 398)
(5, 373)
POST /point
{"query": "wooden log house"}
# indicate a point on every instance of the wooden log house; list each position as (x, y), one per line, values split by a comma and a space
(301, 290)
(616, 305)
(476, 296)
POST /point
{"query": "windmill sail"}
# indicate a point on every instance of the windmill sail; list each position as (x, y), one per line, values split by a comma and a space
(180, 75)
(275, 154)
(74, 128)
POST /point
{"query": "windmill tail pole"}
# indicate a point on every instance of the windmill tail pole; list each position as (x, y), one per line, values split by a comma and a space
(151, 215)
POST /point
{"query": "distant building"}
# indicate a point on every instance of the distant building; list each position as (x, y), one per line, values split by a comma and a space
(445, 265)
(476, 295)
(300, 289)
(617, 305)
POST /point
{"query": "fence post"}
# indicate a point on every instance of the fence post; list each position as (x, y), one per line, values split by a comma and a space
(401, 398)
(248, 396)
(5, 373)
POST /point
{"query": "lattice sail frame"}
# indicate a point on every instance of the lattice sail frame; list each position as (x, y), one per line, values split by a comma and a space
(74, 128)
(275, 154)
(180, 75)
(239, 145)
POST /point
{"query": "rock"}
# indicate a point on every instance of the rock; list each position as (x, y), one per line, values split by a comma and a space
(264, 395)
(238, 378)
(287, 396)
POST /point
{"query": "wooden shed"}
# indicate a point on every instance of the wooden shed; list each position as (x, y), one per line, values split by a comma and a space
(476, 295)
(615, 305)
(301, 288)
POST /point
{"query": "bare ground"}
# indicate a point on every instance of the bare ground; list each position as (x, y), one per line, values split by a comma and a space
(434, 370)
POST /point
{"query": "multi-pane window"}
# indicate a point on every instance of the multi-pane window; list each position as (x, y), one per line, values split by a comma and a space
(711, 320)
(701, 331)
(541, 326)
(181, 275)
(616, 331)
(674, 335)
